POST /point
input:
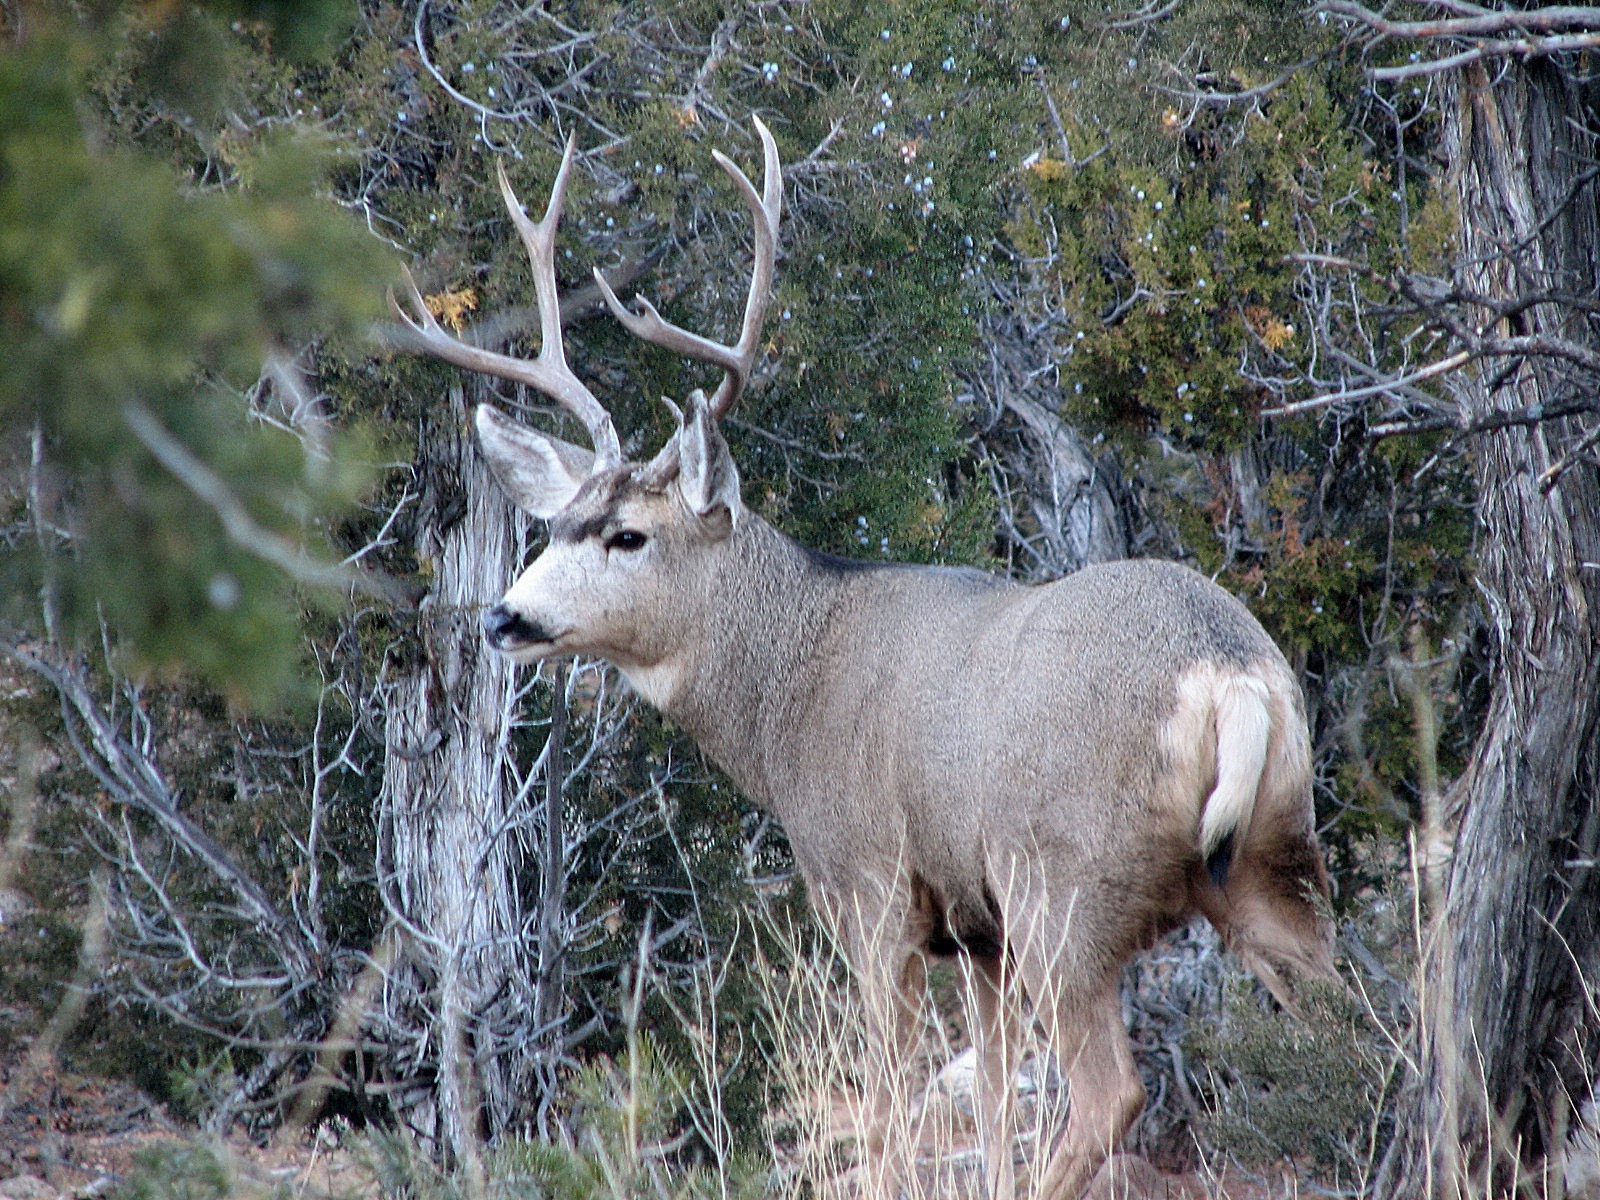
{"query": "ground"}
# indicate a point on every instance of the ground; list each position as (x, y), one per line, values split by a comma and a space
(64, 1135)
(69, 1135)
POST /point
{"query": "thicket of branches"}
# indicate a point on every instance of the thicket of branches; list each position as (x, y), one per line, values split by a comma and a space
(1199, 280)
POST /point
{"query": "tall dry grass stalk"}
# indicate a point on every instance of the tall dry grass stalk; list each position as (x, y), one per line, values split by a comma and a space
(863, 1117)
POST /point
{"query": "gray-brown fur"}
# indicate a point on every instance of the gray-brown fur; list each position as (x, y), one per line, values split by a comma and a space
(965, 765)
(1031, 777)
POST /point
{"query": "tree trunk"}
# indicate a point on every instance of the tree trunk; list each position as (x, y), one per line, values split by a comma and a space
(1508, 1036)
(458, 832)
(1065, 511)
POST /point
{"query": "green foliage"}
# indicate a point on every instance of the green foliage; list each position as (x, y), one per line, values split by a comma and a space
(623, 1117)
(136, 307)
(1173, 277)
(620, 1138)
(182, 1171)
(1172, 243)
(195, 1087)
(1301, 1088)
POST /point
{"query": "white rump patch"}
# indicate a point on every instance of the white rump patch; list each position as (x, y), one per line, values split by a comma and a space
(1218, 735)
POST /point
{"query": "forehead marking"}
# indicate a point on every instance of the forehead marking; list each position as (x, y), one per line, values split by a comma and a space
(594, 507)
(572, 529)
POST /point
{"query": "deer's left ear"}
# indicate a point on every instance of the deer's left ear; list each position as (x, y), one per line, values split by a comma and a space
(706, 475)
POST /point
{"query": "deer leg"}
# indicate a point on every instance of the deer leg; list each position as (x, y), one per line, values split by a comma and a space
(893, 998)
(1105, 1092)
(996, 1041)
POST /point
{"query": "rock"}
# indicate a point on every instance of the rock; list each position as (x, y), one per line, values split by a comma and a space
(957, 1080)
(26, 1187)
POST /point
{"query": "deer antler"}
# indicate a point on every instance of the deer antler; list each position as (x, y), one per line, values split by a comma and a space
(738, 360)
(548, 373)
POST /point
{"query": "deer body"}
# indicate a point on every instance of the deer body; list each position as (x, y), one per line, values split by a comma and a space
(1040, 779)
(918, 720)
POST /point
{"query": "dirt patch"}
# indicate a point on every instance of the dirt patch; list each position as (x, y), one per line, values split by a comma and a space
(72, 1131)
(69, 1135)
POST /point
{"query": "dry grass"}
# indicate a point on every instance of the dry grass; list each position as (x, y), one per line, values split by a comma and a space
(833, 1074)
(1277, 1107)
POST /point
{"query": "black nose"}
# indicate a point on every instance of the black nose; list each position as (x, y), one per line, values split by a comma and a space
(502, 626)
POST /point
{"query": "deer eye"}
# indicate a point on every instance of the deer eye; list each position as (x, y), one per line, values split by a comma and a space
(626, 539)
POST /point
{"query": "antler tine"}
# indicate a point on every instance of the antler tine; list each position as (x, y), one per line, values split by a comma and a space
(548, 372)
(738, 360)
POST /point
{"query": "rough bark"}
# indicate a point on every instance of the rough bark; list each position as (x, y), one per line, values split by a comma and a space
(1508, 1035)
(1068, 491)
(1060, 506)
(456, 826)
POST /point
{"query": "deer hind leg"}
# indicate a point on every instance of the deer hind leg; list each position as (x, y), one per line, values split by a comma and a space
(996, 1040)
(1267, 912)
(1105, 1094)
(1068, 943)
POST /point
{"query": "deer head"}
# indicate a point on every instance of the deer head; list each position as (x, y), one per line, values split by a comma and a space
(622, 535)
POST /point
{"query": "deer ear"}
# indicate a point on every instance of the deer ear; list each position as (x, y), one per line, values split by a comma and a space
(706, 475)
(541, 474)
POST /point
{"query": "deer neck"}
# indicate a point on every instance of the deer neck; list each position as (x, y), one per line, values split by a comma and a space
(748, 648)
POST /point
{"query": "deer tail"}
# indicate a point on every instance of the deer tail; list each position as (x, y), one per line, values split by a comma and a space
(1243, 713)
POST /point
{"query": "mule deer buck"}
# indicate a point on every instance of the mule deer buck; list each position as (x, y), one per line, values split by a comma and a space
(1040, 779)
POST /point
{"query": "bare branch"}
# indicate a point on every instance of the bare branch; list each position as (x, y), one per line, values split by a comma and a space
(1549, 18)
(497, 329)
(1151, 13)
(1567, 461)
(418, 39)
(1442, 367)
(1219, 99)
(1536, 33)
(209, 487)
(132, 779)
(1536, 414)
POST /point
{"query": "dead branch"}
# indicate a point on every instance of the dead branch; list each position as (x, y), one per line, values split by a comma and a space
(1433, 370)
(1536, 414)
(1152, 12)
(1550, 18)
(1533, 33)
(207, 486)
